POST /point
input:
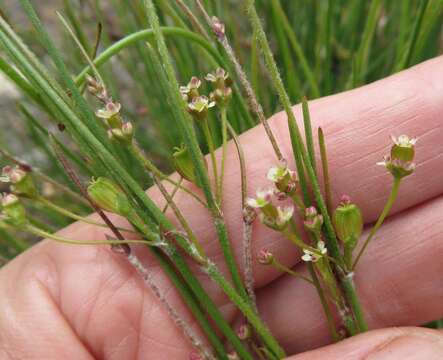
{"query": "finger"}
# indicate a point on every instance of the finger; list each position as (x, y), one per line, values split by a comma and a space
(88, 300)
(398, 281)
(357, 125)
(386, 344)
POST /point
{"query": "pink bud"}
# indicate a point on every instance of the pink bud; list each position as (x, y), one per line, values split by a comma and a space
(265, 257)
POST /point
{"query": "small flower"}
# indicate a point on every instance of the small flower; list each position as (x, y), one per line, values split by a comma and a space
(199, 107)
(21, 181)
(313, 220)
(284, 216)
(265, 257)
(284, 179)
(403, 148)
(125, 134)
(244, 332)
(310, 256)
(9, 200)
(218, 27)
(190, 91)
(110, 110)
(221, 96)
(233, 356)
(262, 199)
(13, 210)
(398, 168)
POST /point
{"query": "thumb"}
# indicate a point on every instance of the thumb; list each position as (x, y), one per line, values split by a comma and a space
(409, 343)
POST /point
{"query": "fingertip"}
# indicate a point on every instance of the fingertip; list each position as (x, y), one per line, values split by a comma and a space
(395, 343)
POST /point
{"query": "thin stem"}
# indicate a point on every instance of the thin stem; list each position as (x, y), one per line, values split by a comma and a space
(245, 308)
(195, 23)
(308, 132)
(138, 153)
(325, 168)
(252, 99)
(181, 219)
(224, 150)
(210, 142)
(73, 216)
(175, 316)
(241, 158)
(324, 303)
(279, 266)
(144, 35)
(247, 222)
(174, 191)
(36, 231)
(389, 203)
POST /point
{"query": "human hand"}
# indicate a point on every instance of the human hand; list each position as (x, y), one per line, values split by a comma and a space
(58, 301)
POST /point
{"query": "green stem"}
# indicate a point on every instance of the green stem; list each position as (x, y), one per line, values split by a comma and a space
(211, 147)
(325, 168)
(347, 284)
(73, 216)
(144, 35)
(279, 266)
(245, 308)
(224, 150)
(39, 232)
(181, 219)
(138, 153)
(390, 202)
(324, 303)
(308, 132)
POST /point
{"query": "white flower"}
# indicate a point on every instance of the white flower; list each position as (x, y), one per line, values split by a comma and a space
(200, 104)
(219, 74)
(9, 199)
(314, 257)
(276, 173)
(322, 247)
(262, 199)
(111, 109)
(404, 141)
(284, 214)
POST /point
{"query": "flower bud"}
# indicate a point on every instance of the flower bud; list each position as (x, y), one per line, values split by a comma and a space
(108, 196)
(21, 181)
(233, 356)
(13, 209)
(403, 148)
(348, 221)
(183, 164)
(218, 27)
(221, 96)
(125, 134)
(284, 179)
(244, 332)
(313, 220)
(265, 257)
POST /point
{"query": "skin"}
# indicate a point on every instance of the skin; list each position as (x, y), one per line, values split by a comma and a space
(59, 301)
